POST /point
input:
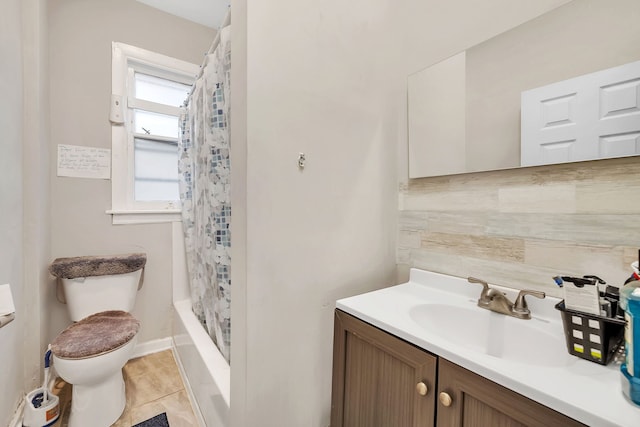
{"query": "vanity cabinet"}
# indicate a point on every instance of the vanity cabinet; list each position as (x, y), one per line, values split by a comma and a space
(380, 380)
(476, 401)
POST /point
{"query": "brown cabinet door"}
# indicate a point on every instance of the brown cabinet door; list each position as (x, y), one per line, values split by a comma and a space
(379, 380)
(478, 402)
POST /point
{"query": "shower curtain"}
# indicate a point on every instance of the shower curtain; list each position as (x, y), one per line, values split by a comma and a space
(204, 192)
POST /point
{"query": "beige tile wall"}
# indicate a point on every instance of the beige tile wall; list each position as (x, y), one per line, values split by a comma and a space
(520, 227)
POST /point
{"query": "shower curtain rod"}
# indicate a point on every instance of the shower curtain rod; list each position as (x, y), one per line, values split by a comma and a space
(212, 48)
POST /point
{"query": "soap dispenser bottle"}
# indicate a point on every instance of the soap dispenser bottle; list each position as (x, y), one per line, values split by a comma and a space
(631, 368)
(630, 285)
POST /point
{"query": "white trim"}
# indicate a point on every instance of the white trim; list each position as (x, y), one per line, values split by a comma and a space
(180, 276)
(153, 346)
(141, 349)
(153, 60)
(125, 209)
(155, 138)
(217, 366)
(18, 415)
(185, 379)
(141, 216)
(141, 104)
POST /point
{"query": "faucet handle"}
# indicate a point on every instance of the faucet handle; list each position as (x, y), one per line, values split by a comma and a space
(520, 306)
(485, 286)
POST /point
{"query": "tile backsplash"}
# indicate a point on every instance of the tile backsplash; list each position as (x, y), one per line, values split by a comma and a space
(520, 227)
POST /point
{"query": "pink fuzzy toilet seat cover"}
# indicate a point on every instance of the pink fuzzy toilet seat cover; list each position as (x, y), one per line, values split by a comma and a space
(96, 334)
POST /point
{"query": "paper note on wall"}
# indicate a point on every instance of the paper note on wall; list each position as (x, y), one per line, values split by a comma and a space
(84, 162)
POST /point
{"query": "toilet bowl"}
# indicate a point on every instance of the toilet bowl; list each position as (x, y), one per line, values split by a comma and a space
(90, 353)
(90, 356)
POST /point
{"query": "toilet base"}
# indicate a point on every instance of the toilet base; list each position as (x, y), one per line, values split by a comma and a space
(98, 405)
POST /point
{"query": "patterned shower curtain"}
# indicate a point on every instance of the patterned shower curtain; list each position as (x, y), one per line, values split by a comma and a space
(204, 170)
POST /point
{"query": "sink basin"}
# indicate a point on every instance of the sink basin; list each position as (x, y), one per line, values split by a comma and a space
(533, 342)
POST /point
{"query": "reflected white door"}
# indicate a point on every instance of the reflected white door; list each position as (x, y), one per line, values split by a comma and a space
(589, 117)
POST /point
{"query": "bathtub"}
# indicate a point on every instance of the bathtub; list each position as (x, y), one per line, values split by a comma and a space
(204, 369)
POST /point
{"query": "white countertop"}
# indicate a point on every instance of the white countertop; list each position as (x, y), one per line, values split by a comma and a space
(583, 390)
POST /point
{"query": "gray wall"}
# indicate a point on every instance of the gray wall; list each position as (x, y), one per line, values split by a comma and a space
(318, 80)
(80, 36)
(11, 267)
(36, 179)
(327, 78)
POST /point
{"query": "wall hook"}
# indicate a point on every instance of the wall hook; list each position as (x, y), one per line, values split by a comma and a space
(301, 160)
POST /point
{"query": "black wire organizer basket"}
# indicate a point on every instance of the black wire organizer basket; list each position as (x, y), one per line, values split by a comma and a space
(589, 336)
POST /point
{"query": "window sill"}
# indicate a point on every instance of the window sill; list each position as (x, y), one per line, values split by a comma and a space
(144, 216)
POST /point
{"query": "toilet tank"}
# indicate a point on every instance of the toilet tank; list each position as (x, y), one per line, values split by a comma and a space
(94, 284)
(89, 295)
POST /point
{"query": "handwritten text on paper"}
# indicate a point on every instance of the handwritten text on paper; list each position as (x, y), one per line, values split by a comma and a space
(84, 162)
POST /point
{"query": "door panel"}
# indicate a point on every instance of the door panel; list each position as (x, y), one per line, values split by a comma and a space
(589, 117)
(375, 376)
(479, 402)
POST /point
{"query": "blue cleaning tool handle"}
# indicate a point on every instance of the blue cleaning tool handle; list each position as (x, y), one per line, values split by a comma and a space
(47, 359)
(558, 280)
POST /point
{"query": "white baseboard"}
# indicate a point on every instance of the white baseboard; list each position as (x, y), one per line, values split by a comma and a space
(190, 395)
(141, 349)
(16, 421)
(153, 346)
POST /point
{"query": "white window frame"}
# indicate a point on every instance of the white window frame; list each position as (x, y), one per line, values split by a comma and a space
(126, 60)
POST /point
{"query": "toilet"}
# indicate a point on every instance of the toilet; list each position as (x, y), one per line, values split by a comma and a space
(89, 354)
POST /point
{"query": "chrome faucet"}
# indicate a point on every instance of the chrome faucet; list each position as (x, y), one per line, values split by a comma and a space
(494, 300)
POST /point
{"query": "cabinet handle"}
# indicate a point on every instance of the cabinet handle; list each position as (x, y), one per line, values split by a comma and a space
(445, 399)
(422, 389)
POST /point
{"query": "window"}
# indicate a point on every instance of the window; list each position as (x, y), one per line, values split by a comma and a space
(147, 92)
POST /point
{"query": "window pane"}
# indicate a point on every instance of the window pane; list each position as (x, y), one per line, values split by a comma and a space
(162, 91)
(147, 191)
(156, 170)
(156, 124)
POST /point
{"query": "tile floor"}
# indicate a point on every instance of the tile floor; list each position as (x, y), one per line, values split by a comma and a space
(153, 385)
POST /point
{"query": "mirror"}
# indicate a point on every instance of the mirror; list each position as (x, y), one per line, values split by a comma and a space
(464, 112)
